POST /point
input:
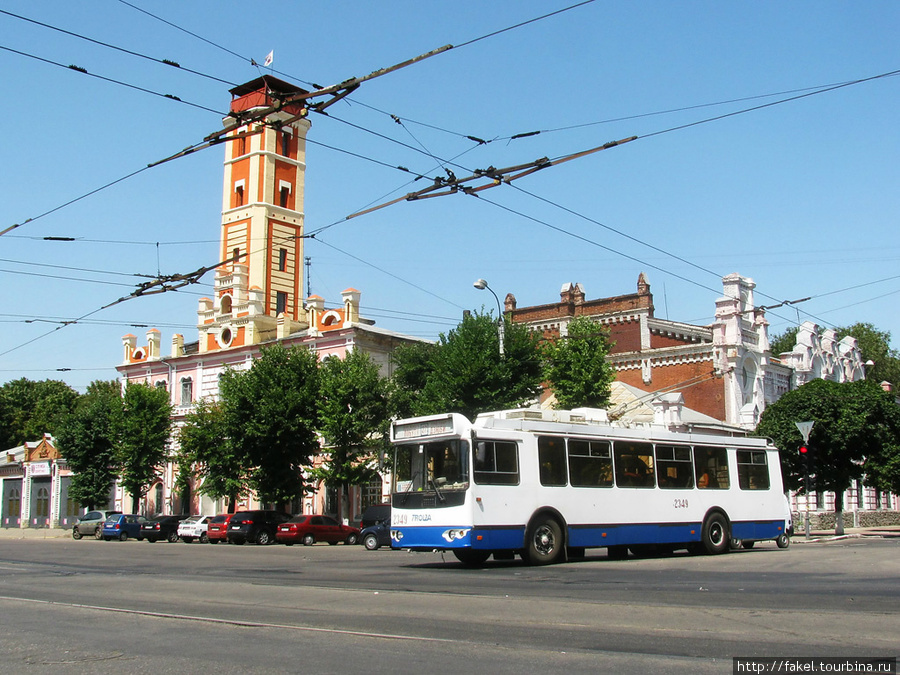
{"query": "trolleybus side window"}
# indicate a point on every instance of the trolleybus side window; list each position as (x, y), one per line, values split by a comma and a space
(496, 463)
(674, 469)
(753, 472)
(634, 464)
(590, 463)
(552, 460)
(711, 466)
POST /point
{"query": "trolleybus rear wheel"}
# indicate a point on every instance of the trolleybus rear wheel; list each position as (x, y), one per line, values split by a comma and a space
(716, 536)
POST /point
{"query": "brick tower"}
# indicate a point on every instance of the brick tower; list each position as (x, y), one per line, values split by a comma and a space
(259, 292)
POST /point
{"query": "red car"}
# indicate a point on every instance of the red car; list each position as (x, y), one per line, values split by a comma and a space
(218, 528)
(307, 530)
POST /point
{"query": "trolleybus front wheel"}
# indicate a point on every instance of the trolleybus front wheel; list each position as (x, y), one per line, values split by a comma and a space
(471, 557)
(544, 544)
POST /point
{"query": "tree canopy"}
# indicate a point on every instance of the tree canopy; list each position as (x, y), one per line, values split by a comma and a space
(576, 367)
(269, 415)
(29, 409)
(353, 418)
(856, 434)
(465, 373)
(205, 452)
(143, 436)
(86, 439)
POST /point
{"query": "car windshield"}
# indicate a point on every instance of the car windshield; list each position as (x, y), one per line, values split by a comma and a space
(192, 519)
(112, 519)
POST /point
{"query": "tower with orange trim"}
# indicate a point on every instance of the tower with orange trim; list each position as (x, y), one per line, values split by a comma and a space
(259, 289)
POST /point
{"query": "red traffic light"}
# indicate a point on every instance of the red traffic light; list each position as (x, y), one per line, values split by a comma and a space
(803, 449)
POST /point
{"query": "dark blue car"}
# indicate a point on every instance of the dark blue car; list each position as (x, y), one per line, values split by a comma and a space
(121, 526)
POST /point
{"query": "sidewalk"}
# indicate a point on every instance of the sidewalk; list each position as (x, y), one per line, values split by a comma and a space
(887, 531)
(34, 533)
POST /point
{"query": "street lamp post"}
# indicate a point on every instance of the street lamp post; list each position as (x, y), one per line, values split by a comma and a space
(481, 285)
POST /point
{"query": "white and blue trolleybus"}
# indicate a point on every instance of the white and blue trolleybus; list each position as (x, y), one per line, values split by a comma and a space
(548, 484)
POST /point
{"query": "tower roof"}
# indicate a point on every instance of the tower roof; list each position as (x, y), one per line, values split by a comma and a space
(262, 91)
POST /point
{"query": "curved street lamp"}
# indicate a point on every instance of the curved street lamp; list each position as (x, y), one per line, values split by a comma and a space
(481, 285)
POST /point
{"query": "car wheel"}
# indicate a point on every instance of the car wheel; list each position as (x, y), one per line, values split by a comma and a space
(263, 538)
(783, 541)
(308, 540)
(352, 539)
(123, 536)
(173, 537)
(151, 540)
(204, 538)
(107, 538)
(187, 540)
(76, 534)
(212, 541)
(98, 534)
(370, 541)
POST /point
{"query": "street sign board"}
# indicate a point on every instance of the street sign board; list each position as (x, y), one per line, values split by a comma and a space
(804, 428)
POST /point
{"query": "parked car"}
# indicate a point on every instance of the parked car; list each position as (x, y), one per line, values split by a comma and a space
(162, 527)
(310, 529)
(194, 527)
(255, 526)
(374, 514)
(91, 523)
(218, 528)
(121, 526)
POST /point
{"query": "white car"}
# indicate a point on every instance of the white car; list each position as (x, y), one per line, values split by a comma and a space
(194, 528)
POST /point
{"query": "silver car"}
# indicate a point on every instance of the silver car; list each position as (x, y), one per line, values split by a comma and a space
(91, 523)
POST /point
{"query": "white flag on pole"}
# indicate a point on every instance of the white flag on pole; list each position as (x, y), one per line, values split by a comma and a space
(269, 58)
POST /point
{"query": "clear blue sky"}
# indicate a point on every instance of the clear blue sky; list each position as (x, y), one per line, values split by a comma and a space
(801, 196)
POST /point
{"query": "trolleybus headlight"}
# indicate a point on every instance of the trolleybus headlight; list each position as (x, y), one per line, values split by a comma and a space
(396, 535)
(454, 534)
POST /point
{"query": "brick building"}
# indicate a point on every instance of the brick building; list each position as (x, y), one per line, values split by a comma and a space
(724, 370)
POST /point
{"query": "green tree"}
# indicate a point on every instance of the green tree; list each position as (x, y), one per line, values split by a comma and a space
(353, 418)
(576, 367)
(206, 453)
(29, 409)
(269, 414)
(857, 429)
(465, 373)
(143, 436)
(86, 439)
(783, 342)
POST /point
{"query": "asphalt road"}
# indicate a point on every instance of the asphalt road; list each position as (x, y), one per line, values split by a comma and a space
(111, 607)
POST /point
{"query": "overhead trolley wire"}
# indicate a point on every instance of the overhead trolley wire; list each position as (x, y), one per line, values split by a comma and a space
(166, 62)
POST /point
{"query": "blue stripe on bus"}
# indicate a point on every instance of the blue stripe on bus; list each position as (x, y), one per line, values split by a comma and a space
(512, 537)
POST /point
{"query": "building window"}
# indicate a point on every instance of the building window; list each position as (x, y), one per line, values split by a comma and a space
(187, 391)
(238, 195)
(159, 498)
(286, 143)
(283, 196)
(235, 255)
(42, 506)
(14, 503)
(161, 384)
(282, 260)
(240, 146)
(280, 302)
